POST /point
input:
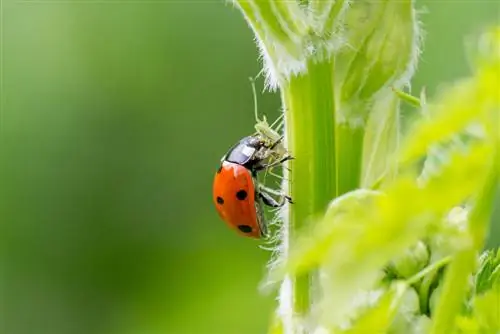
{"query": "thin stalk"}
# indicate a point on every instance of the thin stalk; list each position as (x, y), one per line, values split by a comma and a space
(428, 270)
(310, 122)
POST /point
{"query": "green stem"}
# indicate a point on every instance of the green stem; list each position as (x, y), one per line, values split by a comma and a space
(425, 291)
(310, 123)
(427, 270)
(349, 151)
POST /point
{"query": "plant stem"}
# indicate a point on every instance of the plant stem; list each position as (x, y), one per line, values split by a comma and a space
(349, 151)
(428, 270)
(310, 123)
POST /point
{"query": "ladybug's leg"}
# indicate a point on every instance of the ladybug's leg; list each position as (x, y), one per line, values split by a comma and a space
(269, 200)
(268, 190)
(265, 194)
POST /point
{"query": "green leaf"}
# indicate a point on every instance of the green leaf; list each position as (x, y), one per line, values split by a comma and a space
(488, 273)
(485, 315)
(380, 142)
(439, 154)
(312, 246)
(467, 101)
(370, 228)
(467, 325)
(487, 309)
(455, 284)
(449, 235)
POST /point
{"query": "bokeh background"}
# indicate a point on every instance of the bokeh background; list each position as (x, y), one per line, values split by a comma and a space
(114, 117)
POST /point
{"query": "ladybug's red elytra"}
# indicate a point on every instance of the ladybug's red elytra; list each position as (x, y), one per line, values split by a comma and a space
(237, 194)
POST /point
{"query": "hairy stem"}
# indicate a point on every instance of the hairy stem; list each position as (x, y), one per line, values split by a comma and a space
(310, 122)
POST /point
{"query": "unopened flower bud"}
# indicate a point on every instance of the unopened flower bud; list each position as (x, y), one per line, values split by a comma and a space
(412, 261)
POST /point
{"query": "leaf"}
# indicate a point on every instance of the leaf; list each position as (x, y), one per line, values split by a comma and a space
(467, 325)
(458, 273)
(467, 101)
(380, 142)
(449, 235)
(365, 222)
(485, 316)
(439, 154)
(312, 246)
(488, 273)
(462, 177)
(487, 309)
(370, 228)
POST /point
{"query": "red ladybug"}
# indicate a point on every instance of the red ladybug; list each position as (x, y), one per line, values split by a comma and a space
(236, 192)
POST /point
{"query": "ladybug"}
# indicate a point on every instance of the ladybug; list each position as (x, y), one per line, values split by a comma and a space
(237, 195)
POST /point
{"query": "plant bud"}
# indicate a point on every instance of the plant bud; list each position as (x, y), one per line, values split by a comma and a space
(382, 39)
(414, 260)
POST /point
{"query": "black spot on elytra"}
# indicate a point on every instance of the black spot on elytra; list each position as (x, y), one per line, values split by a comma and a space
(220, 200)
(245, 228)
(241, 195)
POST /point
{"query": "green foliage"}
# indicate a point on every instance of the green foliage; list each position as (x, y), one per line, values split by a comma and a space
(371, 259)
(488, 273)
(371, 229)
(484, 314)
(334, 65)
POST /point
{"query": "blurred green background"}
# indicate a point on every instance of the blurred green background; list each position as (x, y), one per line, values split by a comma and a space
(114, 117)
